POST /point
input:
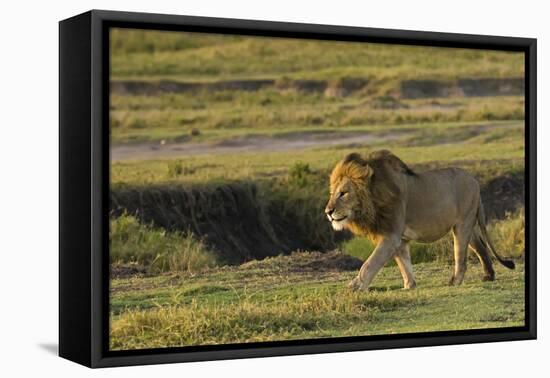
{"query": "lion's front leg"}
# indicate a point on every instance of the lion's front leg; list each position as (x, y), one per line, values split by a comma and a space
(356, 284)
(383, 252)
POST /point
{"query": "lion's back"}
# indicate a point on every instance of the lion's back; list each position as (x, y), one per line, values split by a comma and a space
(445, 187)
(450, 179)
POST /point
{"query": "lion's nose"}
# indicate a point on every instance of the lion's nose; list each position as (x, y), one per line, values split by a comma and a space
(329, 211)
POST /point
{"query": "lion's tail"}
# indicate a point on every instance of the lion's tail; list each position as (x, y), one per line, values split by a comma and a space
(487, 241)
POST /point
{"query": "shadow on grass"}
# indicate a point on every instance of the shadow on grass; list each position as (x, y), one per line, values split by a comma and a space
(385, 288)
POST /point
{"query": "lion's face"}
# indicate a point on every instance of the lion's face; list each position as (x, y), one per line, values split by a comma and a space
(339, 209)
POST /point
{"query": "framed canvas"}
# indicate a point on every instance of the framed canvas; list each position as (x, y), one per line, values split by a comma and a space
(233, 188)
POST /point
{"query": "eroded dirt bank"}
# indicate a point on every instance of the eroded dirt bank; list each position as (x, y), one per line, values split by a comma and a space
(235, 220)
(409, 89)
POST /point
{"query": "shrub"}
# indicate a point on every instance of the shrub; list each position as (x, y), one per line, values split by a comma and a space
(298, 174)
(176, 168)
(138, 123)
(508, 234)
(155, 249)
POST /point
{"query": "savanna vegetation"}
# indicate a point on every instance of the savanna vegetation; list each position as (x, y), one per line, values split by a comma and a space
(199, 57)
(220, 153)
(272, 300)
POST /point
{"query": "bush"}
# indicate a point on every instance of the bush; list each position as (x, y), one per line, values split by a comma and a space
(156, 250)
(138, 123)
(508, 234)
(299, 173)
(175, 168)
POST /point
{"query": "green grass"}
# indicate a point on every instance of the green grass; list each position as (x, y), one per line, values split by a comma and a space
(195, 56)
(236, 305)
(281, 298)
(509, 234)
(157, 250)
(221, 116)
(487, 153)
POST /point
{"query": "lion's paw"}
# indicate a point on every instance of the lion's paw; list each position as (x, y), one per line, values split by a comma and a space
(356, 285)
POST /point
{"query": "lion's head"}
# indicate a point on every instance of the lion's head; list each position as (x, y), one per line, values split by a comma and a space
(364, 193)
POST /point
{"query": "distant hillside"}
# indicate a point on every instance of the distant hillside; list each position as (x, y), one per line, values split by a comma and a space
(139, 54)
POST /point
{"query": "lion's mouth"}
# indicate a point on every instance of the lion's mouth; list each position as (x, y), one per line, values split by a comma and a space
(339, 220)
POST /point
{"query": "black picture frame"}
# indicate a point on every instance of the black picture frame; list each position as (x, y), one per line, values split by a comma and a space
(84, 187)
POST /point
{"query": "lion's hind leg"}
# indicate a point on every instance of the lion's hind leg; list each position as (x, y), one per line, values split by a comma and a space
(403, 260)
(479, 248)
(461, 234)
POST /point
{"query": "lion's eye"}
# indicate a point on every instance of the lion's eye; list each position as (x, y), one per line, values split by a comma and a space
(343, 194)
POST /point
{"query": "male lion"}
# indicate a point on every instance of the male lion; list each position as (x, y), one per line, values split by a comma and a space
(380, 197)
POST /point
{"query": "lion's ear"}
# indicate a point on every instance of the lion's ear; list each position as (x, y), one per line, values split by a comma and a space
(359, 171)
(368, 171)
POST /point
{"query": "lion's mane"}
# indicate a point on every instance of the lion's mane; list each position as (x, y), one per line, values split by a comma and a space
(378, 184)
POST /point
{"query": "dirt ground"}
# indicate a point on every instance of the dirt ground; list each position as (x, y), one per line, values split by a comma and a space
(255, 143)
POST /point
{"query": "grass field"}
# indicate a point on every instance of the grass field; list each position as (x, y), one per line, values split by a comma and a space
(501, 144)
(174, 117)
(221, 149)
(184, 56)
(269, 301)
